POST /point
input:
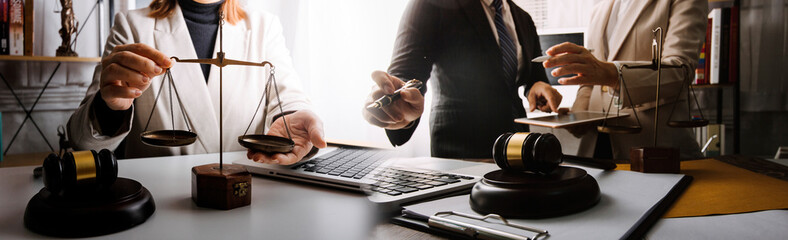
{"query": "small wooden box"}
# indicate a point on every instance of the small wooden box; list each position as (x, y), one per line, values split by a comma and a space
(226, 189)
(655, 160)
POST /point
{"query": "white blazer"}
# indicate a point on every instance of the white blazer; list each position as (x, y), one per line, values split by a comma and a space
(257, 38)
(684, 26)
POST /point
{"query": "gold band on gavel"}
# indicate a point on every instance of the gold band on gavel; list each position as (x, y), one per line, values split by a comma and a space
(514, 150)
(85, 165)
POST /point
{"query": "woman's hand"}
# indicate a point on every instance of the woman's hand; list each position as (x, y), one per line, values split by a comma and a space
(574, 59)
(307, 131)
(127, 72)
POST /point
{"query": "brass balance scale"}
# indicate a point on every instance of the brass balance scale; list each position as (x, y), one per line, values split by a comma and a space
(641, 155)
(206, 178)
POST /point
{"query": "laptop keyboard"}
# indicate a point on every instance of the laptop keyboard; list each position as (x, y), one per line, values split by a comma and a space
(345, 162)
(358, 163)
(394, 181)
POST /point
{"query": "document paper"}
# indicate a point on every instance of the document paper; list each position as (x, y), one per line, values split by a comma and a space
(626, 198)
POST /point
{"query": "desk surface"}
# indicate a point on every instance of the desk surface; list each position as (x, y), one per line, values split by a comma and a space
(284, 210)
(279, 209)
(762, 225)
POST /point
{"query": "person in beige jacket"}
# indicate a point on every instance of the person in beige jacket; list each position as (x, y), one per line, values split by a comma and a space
(620, 32)
(119, 101)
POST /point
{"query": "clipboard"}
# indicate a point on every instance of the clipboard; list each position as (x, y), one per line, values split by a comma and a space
(570, 119)
(638, 228)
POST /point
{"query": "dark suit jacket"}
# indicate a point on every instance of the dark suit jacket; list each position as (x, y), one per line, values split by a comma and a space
(473, 103)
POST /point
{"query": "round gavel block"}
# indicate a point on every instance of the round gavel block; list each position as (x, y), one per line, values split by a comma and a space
(518, 194)
(123, 205)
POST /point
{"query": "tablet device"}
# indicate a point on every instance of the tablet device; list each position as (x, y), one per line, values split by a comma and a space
(569, 119)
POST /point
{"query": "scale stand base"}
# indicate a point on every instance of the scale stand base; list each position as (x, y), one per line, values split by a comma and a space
(224, 189)
(655, 159)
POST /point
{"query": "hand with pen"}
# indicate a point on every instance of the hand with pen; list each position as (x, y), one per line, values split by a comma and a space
(569, 58)
(398, 113)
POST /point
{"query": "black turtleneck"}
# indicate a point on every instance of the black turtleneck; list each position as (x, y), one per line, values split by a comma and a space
(202, 20)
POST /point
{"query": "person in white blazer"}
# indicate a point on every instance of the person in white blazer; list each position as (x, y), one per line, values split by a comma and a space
(620, 32)
(138, 51)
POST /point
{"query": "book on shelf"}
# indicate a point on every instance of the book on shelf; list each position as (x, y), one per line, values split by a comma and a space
(29, 13)
(721, 53)
(1, 137)
(700, 71)
(716, 39)
(4, 27)
(733, 46)
(16, 27)
(707, 52)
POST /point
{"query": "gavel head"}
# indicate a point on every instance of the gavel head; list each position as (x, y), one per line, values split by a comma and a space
(523, 151)
(83, 171)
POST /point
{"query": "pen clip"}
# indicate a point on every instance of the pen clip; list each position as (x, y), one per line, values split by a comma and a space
(480, 232)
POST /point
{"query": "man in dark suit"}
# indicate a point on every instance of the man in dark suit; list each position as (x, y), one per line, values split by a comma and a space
(479, 52)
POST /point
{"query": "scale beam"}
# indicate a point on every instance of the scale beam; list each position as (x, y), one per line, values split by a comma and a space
(220, 61)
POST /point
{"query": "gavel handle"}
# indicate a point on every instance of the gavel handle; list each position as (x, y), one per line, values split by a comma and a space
(604, 164)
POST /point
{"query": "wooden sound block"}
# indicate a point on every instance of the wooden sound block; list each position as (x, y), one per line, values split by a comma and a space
(655, 160)
(125, 204)
(228, 188)
(515, 194)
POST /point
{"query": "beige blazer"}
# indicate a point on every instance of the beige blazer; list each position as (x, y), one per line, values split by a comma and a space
(256, 39)
(684, 26)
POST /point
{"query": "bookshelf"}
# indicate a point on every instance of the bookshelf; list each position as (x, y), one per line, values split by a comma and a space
(722, 67)
(736, 107)
(716, 85)
(28, 112)
(49, 59)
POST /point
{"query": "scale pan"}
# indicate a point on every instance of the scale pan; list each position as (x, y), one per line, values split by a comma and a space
(619, 129)
(266, 143)
(689, 124)
(168, 138)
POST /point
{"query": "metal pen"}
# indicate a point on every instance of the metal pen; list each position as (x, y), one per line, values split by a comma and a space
(387, 99)
(545, 57)
(481, 232)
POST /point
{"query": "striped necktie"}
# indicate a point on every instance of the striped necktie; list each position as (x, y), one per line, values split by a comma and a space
(508, 50)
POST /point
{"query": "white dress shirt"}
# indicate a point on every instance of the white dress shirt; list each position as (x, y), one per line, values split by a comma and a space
(489, 9)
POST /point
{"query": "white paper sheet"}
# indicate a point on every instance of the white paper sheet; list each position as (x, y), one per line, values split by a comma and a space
(626, 198)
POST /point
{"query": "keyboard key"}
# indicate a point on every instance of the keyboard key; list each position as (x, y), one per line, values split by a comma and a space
(436, 183)
(323, 170)
(394, 193)
(448, 180)
(347, 174)
(406, 189)
(422, 187)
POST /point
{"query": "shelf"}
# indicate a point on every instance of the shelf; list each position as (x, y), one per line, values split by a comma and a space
(48, 59)
(716, 85)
